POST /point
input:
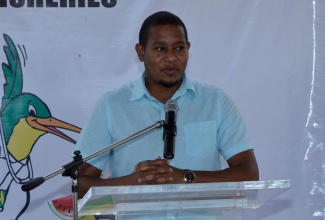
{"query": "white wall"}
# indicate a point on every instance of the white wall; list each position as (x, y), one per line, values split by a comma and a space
(267, 55)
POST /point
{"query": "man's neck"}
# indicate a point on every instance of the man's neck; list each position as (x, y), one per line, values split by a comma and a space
(162, 93)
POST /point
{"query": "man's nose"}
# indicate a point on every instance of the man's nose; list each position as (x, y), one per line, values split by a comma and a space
(170, 56)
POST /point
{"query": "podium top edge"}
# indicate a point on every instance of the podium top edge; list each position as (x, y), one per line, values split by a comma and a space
(247, 185)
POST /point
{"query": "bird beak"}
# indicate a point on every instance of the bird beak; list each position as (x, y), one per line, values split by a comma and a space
(50, 125)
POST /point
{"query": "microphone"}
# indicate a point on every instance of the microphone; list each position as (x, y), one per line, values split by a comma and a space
(170, 130)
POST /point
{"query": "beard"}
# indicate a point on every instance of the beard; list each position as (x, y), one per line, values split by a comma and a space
(169, 84)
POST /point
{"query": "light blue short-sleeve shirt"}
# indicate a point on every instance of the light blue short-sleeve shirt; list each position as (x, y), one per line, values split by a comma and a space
(208, 125)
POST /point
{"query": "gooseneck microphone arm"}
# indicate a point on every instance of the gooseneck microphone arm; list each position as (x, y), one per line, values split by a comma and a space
(158, 124)
(71, 169)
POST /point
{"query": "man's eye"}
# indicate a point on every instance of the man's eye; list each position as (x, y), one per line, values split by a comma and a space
(180, 48)
(160, 48)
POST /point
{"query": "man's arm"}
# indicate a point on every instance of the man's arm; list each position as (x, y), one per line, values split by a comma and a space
(89, 176)
(242, 167)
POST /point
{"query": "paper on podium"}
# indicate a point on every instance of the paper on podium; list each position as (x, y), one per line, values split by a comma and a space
(179, 197)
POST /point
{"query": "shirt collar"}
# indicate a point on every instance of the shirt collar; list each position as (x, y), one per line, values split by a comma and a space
(139, 89)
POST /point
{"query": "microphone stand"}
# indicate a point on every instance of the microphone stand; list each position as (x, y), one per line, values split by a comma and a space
(71, 169)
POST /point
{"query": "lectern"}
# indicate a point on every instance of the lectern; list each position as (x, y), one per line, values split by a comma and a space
(225, 200)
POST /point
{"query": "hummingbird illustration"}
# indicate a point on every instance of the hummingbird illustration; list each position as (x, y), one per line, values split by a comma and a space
(24, 118)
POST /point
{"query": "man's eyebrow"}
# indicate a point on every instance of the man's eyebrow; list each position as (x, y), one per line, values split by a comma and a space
(180, 42)
(164, 43)
(159, 43)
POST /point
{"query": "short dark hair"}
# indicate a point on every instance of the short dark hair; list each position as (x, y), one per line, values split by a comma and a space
(159, 18)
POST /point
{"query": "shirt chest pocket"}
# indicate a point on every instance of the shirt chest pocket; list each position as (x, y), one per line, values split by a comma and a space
(200, 139)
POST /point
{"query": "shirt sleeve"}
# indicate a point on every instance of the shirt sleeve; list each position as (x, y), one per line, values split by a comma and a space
(95, 135)
(232, 133)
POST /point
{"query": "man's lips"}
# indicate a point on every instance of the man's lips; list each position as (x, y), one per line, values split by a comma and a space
(170, 70)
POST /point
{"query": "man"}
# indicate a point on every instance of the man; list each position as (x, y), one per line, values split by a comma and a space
(208, 123)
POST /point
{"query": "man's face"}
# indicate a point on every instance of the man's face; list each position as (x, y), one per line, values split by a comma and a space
(165, 56)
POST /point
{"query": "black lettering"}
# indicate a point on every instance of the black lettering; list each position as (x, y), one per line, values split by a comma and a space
(81, 3)
(18, 4)
(39, 3)
(93, 4)
(72, 3)
(63, 3)
(51, 4)
(30, 3)
(109, 4)
(3, 3)
(58, 3)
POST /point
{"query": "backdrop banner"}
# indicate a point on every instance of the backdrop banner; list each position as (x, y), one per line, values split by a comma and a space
(58, 57)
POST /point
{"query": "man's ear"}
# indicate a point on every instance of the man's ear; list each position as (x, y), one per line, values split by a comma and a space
(140, 51)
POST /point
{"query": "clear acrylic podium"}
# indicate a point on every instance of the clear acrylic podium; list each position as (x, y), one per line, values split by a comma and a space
(225, 200)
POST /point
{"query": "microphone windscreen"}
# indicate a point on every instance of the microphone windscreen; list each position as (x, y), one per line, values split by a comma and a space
(171, 105)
